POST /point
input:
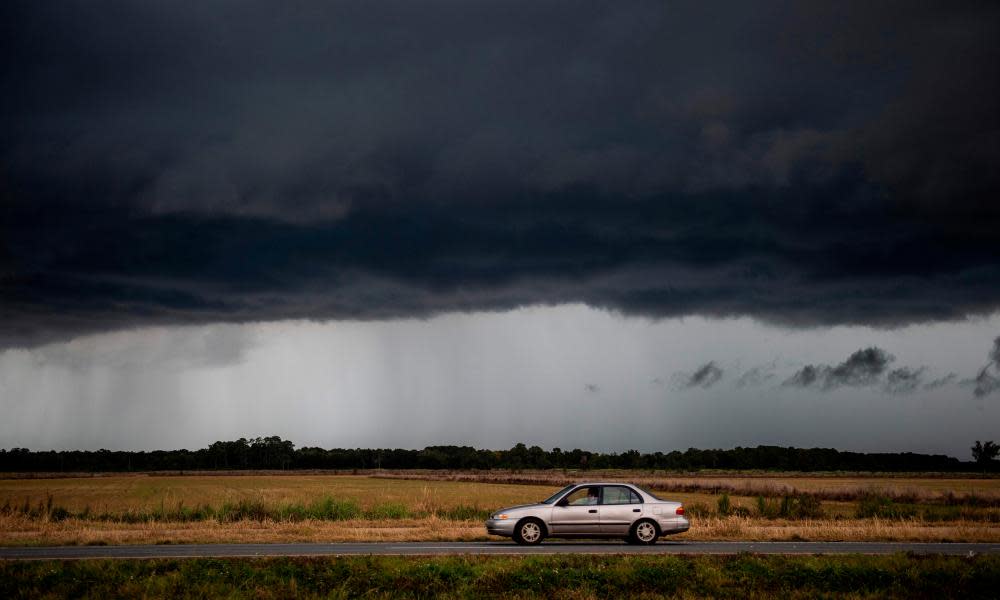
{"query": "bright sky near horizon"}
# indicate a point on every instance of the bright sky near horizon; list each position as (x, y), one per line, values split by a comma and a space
(566, 376)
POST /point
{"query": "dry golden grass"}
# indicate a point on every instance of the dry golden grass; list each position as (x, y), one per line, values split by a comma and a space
(123, 493)
(447, 489)
(19, 531)
(827, 487)
(117, 494)
(829, 530)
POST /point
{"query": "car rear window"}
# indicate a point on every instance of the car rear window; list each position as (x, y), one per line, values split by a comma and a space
(617, 494)
(648, 491)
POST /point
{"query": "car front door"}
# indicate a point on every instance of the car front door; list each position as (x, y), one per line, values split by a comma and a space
(578, 513)
(620, 507)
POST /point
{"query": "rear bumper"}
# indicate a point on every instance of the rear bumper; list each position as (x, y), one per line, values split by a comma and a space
(674, 525)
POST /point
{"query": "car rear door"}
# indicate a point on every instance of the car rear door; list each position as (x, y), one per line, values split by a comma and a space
(578, 513)
(620, 507)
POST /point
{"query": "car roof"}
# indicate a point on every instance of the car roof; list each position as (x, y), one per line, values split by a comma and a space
(650, 497)
(605, 483)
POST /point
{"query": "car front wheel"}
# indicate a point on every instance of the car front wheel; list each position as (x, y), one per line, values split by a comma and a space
(529, 532)
(645, 532)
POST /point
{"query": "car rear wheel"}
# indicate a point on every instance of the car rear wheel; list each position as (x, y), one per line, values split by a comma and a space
(644, 532)
(529, 532)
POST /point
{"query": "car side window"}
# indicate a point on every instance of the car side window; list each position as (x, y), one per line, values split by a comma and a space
(616, 494)
(584, 496)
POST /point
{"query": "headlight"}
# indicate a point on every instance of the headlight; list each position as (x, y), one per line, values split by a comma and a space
(500, 517)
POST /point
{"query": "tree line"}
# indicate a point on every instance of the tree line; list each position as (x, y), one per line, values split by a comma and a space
(274, 453)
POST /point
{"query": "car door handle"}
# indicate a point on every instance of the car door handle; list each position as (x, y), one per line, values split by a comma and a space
(593, 510)
(636, 510)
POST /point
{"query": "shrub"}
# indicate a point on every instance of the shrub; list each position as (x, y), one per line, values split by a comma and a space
(808, 507)
(724, 504)
(251, 510)
(331, 509)
(766, 508)
(874, 505)
(462, 513)
(741, 511)
(802, 506)
(697, 509)
(388, 511)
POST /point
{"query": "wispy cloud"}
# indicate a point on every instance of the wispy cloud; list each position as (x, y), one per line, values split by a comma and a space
(986, 383)
(756, 376)
(941, 381)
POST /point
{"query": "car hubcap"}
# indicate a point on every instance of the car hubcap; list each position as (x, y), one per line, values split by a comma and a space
(530, 532)
(645, 531)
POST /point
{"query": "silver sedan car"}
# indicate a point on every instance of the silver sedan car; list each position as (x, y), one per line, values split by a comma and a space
(592, 510)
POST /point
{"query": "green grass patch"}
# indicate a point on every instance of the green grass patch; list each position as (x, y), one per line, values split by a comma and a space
(801, 506)
(882, 507)
(898, 576)
(463, 513)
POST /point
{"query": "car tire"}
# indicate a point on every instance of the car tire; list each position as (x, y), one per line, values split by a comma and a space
(644, 532)
(529, 532)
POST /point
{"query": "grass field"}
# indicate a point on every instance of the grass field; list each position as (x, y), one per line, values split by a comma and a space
(272, 508)
(123, 493)
(570, 577)
(844, 487)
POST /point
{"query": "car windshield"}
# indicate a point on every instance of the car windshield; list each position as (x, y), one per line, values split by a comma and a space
(556, 495)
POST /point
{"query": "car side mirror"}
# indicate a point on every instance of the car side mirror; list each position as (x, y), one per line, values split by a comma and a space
(562, 502)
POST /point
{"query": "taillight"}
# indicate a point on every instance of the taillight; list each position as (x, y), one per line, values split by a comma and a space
(680, 510)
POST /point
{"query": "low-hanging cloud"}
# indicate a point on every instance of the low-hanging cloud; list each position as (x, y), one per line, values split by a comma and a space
(237, 164)
(986, 382)
(704, 376)
(904, 380)
(861, 368)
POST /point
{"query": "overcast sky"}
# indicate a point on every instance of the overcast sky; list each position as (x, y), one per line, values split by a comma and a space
(606, 225)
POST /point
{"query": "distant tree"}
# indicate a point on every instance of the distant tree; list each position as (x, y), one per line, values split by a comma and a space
(272, 452)
(985, 453)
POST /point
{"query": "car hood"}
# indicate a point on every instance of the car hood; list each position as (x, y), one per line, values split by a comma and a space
(518, 507)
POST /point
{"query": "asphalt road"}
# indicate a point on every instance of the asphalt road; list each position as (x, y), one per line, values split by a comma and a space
(440, 548)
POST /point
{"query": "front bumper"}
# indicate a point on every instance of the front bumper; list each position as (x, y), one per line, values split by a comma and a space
(504, 527)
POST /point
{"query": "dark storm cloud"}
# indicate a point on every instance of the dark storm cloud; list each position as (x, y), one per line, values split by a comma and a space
(806, 376)
(861, 368)
(704, 376)
(904, 380)
(171, 163)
